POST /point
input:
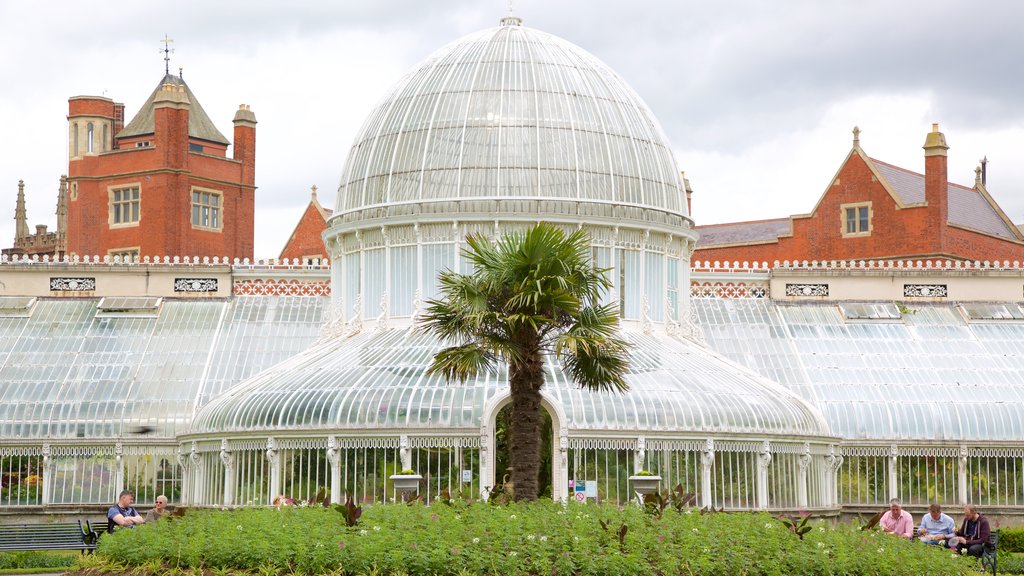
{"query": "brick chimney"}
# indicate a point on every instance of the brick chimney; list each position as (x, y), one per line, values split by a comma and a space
(936, 182)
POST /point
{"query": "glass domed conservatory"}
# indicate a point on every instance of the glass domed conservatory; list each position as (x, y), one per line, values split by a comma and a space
(491, 133)
(230, 384)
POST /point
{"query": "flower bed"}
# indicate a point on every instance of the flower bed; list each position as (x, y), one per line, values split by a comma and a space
(543, 538)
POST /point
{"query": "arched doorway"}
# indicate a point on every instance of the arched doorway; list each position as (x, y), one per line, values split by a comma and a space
(494, 460)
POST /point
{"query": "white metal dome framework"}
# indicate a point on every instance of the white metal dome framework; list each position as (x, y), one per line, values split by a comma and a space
(491, 133)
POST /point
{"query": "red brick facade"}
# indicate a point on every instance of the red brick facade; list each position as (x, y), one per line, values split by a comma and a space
(166, 191)
(306, 242)
(902, 225)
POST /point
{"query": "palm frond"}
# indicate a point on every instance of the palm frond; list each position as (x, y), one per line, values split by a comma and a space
(460, 363)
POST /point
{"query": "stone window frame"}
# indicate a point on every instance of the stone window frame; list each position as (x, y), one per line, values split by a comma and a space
(111, 190)
(216, 210)
(843, 219)
(133, 251)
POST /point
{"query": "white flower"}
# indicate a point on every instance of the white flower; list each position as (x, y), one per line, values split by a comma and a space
(821, 528)
(561, 512)
(376, 528)
(476, 540)
(513, 553)
(688, 511)
(768, 525)
(575, 538)
(239, 527)
(543, 538)
(881, 550)
(530, 537)
(512, 517)
(458, 516)
(363, 532)
(695, 531)
(706, 551)
(821, 544)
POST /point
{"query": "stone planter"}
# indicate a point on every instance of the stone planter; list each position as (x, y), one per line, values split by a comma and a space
(406, 483)
(645, 484)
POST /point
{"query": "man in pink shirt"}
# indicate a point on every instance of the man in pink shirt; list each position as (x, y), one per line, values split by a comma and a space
(898, 521)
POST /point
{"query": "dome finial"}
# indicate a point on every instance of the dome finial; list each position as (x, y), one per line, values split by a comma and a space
(511, 19)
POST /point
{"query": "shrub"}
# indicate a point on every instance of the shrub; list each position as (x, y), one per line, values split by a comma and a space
(1008, 563)
(21, 560)
(518, 539)
(1011, 540)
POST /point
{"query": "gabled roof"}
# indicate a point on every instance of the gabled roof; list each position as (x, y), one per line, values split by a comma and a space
(759, 231)
(968, 207)
(199, 124)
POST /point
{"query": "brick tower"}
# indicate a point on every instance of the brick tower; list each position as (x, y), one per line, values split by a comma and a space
(162, 185)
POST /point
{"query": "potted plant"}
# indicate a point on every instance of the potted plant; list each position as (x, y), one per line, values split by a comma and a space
(645, 482)
(406, 481)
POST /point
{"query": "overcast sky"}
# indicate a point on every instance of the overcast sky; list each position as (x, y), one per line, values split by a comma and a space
(758, 98)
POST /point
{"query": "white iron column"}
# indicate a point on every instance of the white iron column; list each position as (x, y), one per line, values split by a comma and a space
(228, 460)
(834, 462)
(47, 475)
(801, 477)
(707, 462)
(119, 468)
(198, 475)
(186, 476)
(486, 463)
(894, 472)
(962, 475)
(560, 490)
(764, 459)
(274, 459)
(335, 459)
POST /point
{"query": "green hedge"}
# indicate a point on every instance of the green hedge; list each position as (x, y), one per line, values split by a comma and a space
(1011, 539)
(543, 538)
(19, 560)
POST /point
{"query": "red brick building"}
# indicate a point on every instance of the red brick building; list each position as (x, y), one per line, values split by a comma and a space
(876, 211)
(306, 242)
(162, 185)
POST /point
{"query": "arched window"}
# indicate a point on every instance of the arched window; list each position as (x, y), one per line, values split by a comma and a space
(74, 138)
(106, 137)
(89, 134)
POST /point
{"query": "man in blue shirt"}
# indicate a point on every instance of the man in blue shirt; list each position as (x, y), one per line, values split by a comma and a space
(123, 514)
(936, 527)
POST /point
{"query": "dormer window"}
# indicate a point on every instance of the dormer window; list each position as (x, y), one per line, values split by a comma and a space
(143, 144)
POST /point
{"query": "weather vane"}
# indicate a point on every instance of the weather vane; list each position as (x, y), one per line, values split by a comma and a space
(167, 50)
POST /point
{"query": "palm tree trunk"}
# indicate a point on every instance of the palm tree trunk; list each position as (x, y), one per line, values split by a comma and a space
(525, 382)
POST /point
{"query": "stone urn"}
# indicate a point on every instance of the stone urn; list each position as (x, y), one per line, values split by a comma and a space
(645, 483)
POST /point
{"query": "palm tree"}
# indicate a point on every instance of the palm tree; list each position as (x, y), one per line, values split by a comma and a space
(532, 295)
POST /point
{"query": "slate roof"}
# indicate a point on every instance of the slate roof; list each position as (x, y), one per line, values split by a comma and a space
(743, 232)
(967, 207)
(199, 124)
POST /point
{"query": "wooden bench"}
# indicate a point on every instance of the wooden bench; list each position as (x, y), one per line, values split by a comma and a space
(988, 555)
(57, 536)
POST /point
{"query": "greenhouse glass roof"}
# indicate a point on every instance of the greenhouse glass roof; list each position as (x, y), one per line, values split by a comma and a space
(378, 380)
(931, 375)
(67, 371)
(511, 112)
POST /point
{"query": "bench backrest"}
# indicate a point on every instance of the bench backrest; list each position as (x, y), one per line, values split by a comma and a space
(59, 536)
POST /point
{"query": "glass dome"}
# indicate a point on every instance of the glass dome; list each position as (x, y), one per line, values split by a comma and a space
(377, 380)
(511, 113)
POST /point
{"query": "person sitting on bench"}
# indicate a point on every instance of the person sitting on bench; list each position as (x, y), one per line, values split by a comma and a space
(123, 514)
(898, 521)
(936, 527)
(973, 534)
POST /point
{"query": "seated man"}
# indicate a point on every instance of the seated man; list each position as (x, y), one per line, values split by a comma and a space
(123, 514)
(973, 533)
(898, 521)
(936, 527)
